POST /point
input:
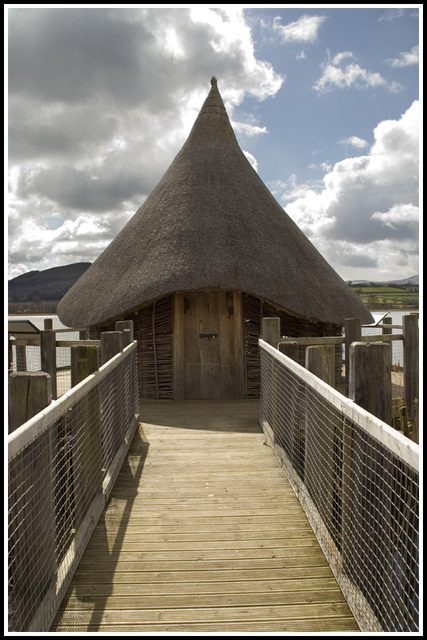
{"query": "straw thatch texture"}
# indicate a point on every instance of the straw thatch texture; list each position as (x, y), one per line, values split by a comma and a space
(210, 223)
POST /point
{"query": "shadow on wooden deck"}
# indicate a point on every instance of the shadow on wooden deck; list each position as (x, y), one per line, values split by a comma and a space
(238, 416)
(202, 533)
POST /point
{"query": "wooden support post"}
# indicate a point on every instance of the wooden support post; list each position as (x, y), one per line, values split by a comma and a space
(10, 354)
(178, 347)
(320, 360)
(271, 335)
(84, 334)
(48, 353)
(271, 331)
(127, 337)
(111, 344)
(239, 345)
(353, 333)
(296, 445)
(121, 325)
(370, 378)
(84, 361)
(290, 349)
(321, 437)
(85, 429)
(31, 510)
(29, 393)
(387, 330)
(348, 502)
(411, 368)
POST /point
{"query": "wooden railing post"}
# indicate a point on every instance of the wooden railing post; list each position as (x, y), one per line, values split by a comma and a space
(271, 335)
(111, 344)
(387, 330)
(320, 438)
(84, 361)
(370, 378)
(48, 353)
(290, 349)
(32, 546)
(320, 360)
(86, 431)
(353, 333)
(29, 393)
(271, 331)
(123, 325)
(411, 368)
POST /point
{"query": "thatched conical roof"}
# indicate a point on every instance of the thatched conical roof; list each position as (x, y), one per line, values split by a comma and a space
(210, 223)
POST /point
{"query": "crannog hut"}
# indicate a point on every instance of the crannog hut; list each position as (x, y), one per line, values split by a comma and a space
(202, 261)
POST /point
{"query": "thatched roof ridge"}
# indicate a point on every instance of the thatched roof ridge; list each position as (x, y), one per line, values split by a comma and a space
(210, 223)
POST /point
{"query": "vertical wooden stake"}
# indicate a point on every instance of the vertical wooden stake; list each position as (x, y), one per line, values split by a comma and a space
(353, 333)
(32, 543)
(178, 347)
(85, 428)
(387, 330)
(290, 349)
(122, 325)
(271, 331)
(29, 393)
(84, 361)
(48, 354)
(370, 378)
(320, 360)
(111, 344)
(411, 368)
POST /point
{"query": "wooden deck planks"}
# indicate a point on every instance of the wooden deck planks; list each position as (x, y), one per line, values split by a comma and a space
(203, 533)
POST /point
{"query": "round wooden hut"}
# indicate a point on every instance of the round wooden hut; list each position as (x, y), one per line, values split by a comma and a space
(208, 255)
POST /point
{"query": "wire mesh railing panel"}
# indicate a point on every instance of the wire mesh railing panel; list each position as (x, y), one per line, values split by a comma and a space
(57, 486)
(359, 490)
(31, 524)
(381, 553)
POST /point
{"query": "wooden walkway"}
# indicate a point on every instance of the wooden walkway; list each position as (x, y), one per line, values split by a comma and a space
(203, 533)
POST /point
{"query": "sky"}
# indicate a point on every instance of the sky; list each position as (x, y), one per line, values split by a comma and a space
(324, 102)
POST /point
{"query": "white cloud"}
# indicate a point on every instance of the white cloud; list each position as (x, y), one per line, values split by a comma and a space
(355, 141)
(398, 214)
(339, 57)
(391, 14)
(304, 29)
(366, 206)
(406, 59)
(248, 129)
(350, 75)
(252, 160)
(93, 126)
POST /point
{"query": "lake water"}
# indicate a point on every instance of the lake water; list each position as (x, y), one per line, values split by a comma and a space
(63, 357)
(396, 319)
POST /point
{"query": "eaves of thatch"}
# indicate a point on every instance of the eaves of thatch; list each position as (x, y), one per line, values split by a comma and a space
(210, 223)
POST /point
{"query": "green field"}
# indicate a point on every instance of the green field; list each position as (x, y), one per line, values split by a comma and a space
(388, 296)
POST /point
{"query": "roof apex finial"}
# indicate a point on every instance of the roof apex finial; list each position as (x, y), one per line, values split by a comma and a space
(213, 81)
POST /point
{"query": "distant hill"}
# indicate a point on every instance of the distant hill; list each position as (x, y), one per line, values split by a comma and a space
(50, 285)
(412, 280)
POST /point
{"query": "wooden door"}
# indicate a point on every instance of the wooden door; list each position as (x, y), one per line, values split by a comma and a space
(212, 349)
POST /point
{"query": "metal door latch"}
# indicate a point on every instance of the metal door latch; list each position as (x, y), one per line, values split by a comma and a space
(208, 335)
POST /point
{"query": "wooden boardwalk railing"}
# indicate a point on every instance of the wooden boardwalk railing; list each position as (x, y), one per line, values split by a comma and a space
(203, 533)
